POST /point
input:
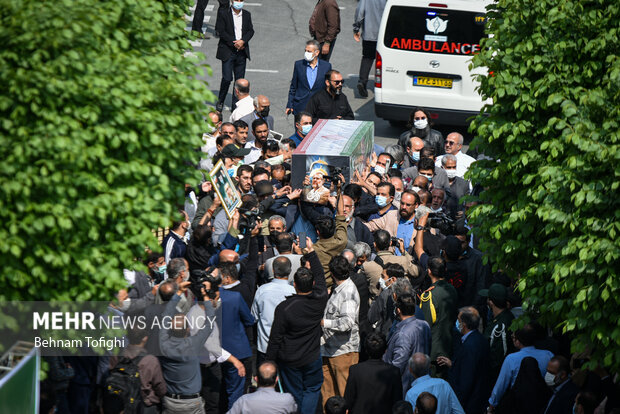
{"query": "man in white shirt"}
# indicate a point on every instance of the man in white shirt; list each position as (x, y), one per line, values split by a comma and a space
(453, 145)
(245, 104)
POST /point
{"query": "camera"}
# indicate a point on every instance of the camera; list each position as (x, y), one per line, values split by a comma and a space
(446, 224)
(248, 219)
(335, 172)
(395, 241)
(198, 277)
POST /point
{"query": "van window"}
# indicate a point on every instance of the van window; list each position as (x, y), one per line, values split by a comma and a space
(418, 29)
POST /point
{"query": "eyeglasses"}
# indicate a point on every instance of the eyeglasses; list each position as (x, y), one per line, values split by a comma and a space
(450, 142)
(338, 82)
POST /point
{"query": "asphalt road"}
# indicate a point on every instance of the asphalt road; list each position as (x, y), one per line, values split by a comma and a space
(281, 30)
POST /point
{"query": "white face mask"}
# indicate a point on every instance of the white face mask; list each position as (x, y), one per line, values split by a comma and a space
(420, 124)
(309, 56)
(379, 169)
(416, 188)
(550, 379)
(451, 174)
(382, 283)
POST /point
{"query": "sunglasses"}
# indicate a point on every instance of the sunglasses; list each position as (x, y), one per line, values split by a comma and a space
(338, 82)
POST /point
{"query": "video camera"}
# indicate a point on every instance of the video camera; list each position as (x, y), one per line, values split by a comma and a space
(334, 174)
(446, 224)
(248, 218)
(198, 277)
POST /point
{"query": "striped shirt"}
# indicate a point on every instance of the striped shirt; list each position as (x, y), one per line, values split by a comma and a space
(341, 321)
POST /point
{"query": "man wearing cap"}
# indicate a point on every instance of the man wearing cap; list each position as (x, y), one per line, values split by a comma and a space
(232, 156)
(497, 331)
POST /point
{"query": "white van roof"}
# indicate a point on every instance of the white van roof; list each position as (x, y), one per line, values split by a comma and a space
(467, 5)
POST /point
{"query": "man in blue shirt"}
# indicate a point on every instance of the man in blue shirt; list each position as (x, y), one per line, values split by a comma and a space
(524, 340)
(303, 125)
(308, 76)
(268, 296)
(447, 402)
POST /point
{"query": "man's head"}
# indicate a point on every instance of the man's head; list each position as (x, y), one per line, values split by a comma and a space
(454, 143)
(391, 273)
(228, 129)
(267, 374)
(525, 336)
(426, 403)
(350, 256)
(271, 149)
(385, 194)
(384, 163)
(181, 223)
(325, 227)
(558, 370)
(428, 152)
(586, 403)
(339, 268)
(311, 53)
(276, 224)
(382, 240)
(287, 146)
(260, 129)
(281, 267)
(241, 132)
(303, 123)
(242, 88)
(244, 178)
(409, 201)
(397, 153)
(155, 263)
(438, 196)
(468, 318)
(137, 336)
(178, 269)
(375, 345)
(349, 206)
(398, 184)
(284, 243)
(420, 182)
(414, 146)
(448, 163)
(420, 365)
(362, 253)
(216, 119)
(334, 82)
(167, 289)
(261, 106)
(336, 405)
(354, 191)
(425, 197)
(303, 281)
(263, 189)
(374, 178)
(436, 268)
(228, 256)
(497, 296)
(426, 168)
(259, 174)
(405, 305)
(229, 273)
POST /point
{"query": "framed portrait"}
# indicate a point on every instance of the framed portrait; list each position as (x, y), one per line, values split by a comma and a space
(224, 186)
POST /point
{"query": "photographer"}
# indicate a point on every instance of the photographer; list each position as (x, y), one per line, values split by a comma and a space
(439, 301)
(374, 269)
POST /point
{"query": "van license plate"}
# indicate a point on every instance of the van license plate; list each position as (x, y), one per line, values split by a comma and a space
(432, 82)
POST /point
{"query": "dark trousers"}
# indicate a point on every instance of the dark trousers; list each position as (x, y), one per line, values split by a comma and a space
(211, 384)
(304, 384)
(260, 358)
(233, 65)
(199, 15)
(235, 385)
(329, 54)
(369, 50)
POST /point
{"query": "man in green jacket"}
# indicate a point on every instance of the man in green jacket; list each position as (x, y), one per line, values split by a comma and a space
(498, 329)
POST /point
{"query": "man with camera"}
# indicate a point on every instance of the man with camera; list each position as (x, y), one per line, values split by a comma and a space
(374, 269)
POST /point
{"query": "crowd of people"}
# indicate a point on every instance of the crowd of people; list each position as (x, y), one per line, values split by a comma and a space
(371, 298)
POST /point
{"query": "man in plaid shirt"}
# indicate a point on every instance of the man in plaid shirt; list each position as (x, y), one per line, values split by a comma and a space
(340, 344)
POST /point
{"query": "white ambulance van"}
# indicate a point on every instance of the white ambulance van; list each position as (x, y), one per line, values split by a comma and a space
(423, 54)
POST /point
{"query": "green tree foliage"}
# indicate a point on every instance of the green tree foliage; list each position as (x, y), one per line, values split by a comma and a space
(99, 110)
(550, 207)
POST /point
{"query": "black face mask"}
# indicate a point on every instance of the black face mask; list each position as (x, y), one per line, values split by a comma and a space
(265, 112)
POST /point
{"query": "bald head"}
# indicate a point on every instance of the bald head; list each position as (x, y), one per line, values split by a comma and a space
(454, 143)
(415, 144)
(425, 197)
(229, 256)
(242, 86)
(420, 181)
(261, 101)
(350, 256)
(267, 374)
(426, 403)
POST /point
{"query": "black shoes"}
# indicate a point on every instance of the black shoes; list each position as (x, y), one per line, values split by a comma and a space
(362, 90)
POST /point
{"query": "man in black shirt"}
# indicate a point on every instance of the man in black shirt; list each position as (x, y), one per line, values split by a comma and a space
(330, 103)
(295, 338)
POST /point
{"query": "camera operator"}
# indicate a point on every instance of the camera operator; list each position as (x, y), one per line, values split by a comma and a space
(439, 301)
(374, 269)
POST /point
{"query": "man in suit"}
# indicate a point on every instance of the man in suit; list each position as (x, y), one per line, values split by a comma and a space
(458, 186)
(235, 317)
(373, 386)
(564, 389)
(308, 75)
(261, 111)
(469, 369)
(235, 29)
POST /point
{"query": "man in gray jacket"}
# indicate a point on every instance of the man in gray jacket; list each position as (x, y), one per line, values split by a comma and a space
(367, 20)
